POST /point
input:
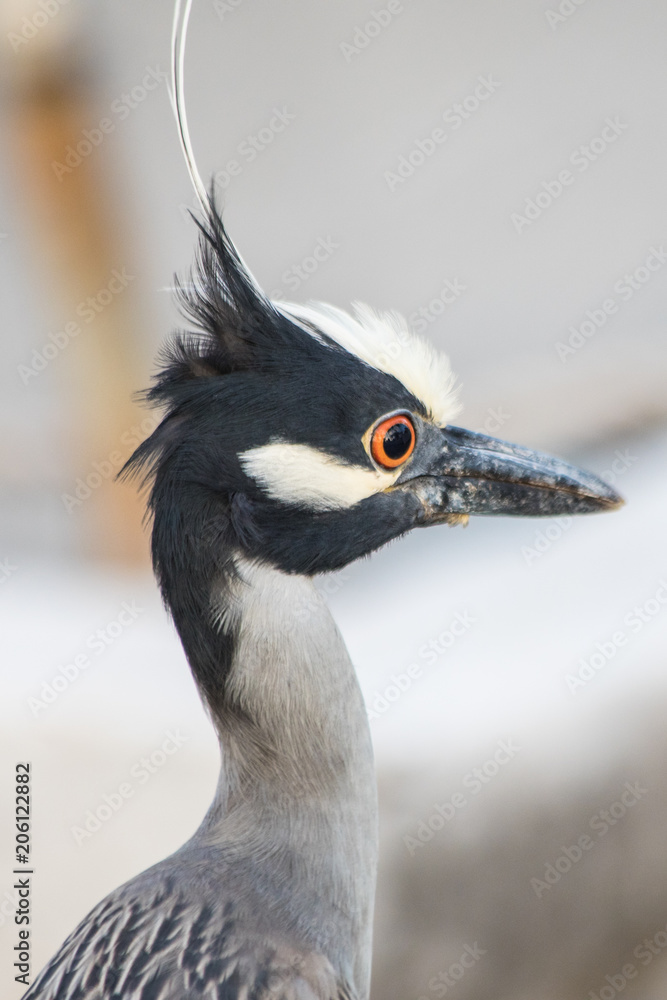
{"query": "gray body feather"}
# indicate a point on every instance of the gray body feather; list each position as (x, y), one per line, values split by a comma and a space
(273, 896)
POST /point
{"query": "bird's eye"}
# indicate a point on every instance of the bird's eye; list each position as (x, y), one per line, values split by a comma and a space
(393, 441)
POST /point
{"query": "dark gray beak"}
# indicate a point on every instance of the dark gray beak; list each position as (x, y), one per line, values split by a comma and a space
(469, 473)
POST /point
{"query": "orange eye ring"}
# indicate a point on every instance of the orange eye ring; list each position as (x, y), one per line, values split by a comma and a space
(391, 446)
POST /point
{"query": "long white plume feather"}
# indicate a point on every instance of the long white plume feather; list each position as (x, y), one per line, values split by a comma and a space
(179, 35)
(178, 39)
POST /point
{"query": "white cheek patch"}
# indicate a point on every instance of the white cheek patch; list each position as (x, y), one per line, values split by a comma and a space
(300, 474)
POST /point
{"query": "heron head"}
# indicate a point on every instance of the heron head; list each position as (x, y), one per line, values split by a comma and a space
(307, 437)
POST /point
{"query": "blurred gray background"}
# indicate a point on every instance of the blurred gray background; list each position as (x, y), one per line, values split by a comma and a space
(320, 122)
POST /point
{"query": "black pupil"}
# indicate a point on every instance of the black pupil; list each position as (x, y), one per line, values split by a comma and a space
(397, 441)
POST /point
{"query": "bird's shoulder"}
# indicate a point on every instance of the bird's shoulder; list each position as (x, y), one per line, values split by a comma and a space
(151, 940)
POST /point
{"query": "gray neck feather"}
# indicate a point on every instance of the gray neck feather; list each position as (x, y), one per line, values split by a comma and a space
(295, 810)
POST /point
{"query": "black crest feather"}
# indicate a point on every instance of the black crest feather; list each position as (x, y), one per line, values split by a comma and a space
(235, 324)
(234, 328)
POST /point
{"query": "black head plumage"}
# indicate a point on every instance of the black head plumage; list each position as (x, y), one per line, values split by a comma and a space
(235, 327)
(243, 348)
(247, 374)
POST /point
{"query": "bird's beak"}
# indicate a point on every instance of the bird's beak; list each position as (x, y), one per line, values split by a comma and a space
(471, 473)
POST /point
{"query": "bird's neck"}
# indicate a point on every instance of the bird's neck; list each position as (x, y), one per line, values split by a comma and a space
(296, 801)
